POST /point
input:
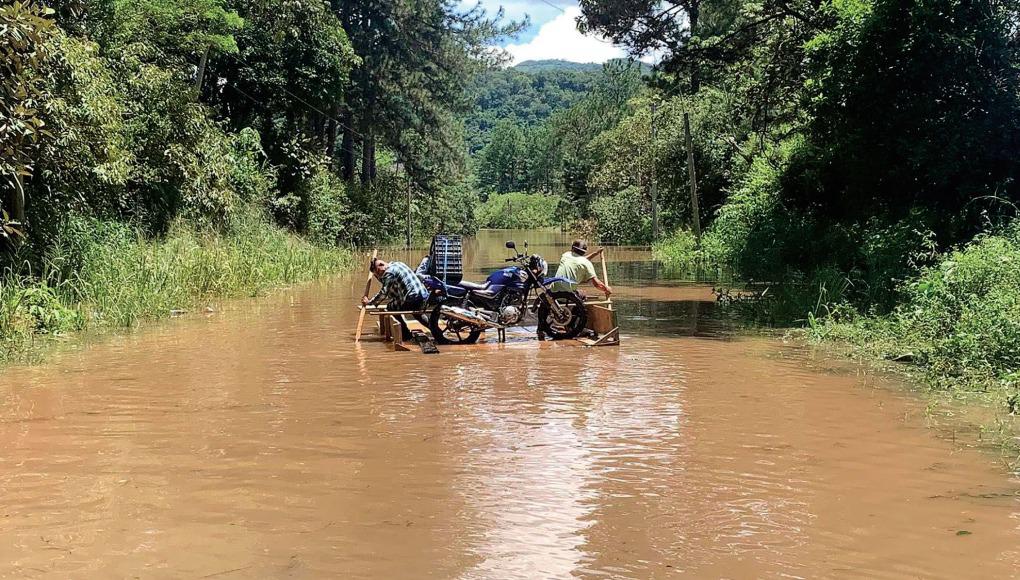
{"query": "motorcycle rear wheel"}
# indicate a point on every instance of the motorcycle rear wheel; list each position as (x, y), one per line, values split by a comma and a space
(448, 330)
(572, 321)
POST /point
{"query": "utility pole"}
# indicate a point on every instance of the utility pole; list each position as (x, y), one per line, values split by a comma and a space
(200, 73)
(695, 212)
(655, 184)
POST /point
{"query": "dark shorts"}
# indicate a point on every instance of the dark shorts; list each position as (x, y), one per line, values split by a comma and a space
(415, 303)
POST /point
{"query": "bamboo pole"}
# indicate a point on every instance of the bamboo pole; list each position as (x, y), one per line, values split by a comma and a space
(368, 287)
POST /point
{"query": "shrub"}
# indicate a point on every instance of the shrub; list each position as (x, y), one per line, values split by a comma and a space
(965, 311)
(106, 274)
(518, 211)
(328, 210)
(678, 251)
(959, 319)
(621, 218)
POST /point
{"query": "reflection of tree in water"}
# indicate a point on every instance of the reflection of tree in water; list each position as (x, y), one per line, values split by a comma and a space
(683, 318)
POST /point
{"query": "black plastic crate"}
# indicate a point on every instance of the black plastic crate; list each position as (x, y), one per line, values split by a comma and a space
(446, 258)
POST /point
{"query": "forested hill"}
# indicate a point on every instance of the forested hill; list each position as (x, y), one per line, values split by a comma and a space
(527, 94)
(556, 64)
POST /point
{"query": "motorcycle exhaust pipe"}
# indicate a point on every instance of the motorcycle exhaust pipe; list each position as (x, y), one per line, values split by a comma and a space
(468, 316)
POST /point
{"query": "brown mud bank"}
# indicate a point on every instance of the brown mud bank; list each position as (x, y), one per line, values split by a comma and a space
(262, 442)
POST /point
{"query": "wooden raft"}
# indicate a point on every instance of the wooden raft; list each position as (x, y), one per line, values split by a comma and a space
(601, 319)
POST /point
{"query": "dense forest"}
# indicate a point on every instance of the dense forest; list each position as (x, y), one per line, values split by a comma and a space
(525, 95)
(856, 157)
(153, 152)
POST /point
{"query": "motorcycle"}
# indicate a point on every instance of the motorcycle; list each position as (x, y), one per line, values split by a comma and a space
(464, 310)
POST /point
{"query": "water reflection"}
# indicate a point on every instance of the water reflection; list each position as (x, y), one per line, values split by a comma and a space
(263, 443)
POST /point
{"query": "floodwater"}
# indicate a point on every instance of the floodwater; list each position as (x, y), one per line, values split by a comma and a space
(260, 442)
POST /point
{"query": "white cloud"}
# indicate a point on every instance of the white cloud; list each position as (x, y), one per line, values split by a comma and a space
(560, 39)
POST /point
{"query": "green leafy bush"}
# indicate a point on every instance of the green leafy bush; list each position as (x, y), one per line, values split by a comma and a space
(621, 217)
(518, 210)
(328, 210)
(959, 319)
(964, 312)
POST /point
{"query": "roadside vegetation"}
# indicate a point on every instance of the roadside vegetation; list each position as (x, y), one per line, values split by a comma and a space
(105, 275)
(519, 211)
(855, 163)
(155, 154)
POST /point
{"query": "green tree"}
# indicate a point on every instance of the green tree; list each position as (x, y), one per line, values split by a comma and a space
(25, 31)
(914, 108)
(502, 162)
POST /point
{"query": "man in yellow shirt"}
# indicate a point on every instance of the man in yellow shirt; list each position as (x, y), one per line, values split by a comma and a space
(574, 266)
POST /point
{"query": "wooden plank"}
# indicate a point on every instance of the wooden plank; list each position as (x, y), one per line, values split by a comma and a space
(368, 288)
(611, 338)
(396, 333)
(600, 318)
(394, 312)
(605, 275)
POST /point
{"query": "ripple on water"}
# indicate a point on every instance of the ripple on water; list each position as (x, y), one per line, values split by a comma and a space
(260, 443)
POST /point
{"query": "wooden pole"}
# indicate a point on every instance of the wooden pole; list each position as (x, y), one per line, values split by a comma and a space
(408, 175)
(655, 188)
(605, 276)
(361, 316)
(200, 73)
(18, 202)
(695, 212)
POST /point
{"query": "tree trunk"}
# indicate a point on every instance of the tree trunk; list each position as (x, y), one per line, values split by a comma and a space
(367, 158)
(694, 14)
(347, 146)
(331, 131)
(18, 201)
(695, 210)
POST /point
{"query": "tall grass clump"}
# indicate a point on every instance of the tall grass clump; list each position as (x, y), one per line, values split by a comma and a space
(959, 319)
(104, 274)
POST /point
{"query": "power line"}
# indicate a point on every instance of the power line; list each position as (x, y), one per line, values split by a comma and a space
(284, 89)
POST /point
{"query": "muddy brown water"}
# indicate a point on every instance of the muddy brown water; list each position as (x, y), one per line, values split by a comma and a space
(259, 442)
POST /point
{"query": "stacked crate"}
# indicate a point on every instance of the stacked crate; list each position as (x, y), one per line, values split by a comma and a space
(446, 258)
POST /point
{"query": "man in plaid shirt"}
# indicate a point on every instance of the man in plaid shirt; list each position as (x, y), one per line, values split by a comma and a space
(401, 288)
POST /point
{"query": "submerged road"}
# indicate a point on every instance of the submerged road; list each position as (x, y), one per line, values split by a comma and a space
(260, 442)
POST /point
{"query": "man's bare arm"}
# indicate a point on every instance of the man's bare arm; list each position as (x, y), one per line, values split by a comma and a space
(601, 285)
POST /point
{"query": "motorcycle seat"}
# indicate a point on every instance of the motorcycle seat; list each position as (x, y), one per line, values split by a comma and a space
(473, 286)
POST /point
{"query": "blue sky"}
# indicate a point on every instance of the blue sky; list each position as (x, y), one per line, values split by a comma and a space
(552, 34)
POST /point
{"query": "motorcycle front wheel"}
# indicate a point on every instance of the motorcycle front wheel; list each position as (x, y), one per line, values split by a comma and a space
(446, 329)
(569, 322)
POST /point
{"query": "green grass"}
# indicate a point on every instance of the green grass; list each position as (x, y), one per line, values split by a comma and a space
(957, 329)
(104, 275)
(959, 319)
